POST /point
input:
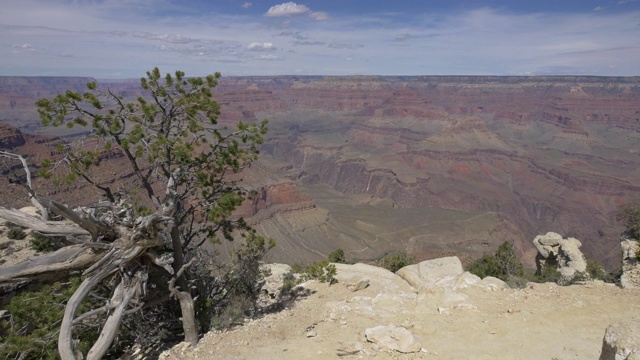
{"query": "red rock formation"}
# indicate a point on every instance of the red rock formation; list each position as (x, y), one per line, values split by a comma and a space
(544, 153)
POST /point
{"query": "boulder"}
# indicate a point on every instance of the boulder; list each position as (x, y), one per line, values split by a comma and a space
(395, 338)
(621, 342)
(430, 273)
(561, 253)
(275, 279)
(375, 278)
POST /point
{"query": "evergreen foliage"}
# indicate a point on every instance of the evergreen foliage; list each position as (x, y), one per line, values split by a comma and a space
(16, 233)
(629, 214)
(29, 327)
(504, 264)
(337, 257)
(396, 261)
(42, 243)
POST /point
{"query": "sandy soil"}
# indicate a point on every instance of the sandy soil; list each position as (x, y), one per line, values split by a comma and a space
(541, 321)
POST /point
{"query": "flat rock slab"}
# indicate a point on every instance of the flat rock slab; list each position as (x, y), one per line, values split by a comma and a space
(428, 273)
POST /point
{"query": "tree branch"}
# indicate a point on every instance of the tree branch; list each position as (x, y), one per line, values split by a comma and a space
(43, 211)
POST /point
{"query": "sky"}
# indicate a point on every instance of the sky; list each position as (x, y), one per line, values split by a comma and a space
(117, 39)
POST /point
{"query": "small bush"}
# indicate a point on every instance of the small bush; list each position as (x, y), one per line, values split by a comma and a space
(504, 264)
(289, 283)
(596, 271)
(550, 274)
(322, 271)
(396, 261)
(337, 257)
(15, 233)
(42, 243)
(31, 324)
(629, 214)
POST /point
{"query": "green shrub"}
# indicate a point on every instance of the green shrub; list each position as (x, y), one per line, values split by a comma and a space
(231, 290)
(629, 214)
(596, 271)
(289, 283)
(396, 261)
(504, 264)
(550, 274)
(16, 233)
(337, 257)
(42, 243)
(30, 326)
(322, 271)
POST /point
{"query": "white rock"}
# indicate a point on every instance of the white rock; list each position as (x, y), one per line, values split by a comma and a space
(493, 283)
(430, 273)
(395, 338)
(621, 342)
(380, 279)
(563, 253)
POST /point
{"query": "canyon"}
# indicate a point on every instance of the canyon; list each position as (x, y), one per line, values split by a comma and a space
(428, 165)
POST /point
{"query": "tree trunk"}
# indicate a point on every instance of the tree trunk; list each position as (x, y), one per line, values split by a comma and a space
(183, 295)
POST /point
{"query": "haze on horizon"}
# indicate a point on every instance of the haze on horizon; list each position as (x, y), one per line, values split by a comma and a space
(114, 39)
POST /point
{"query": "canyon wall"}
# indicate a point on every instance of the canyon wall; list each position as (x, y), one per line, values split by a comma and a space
(433, 165)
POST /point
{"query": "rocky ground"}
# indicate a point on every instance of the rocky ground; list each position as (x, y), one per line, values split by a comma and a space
(373, 313)
(454, 320)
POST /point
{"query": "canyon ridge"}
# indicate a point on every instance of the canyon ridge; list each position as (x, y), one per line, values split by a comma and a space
(428, 165)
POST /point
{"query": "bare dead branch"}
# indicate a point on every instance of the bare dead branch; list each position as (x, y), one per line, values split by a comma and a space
(94, 228)
(34, 223)
(43, 211)
(72, 257)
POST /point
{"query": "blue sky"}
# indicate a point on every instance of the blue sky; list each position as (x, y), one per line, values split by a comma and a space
(124, 38)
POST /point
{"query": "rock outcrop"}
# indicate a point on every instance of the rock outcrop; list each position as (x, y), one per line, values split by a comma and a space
(446, 273)
(621, 341)
(560, 253)
(630, 267)
(396, 338)
(431, 272)
(273, 281)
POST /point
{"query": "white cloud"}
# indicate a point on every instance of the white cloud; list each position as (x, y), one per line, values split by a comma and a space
(98, 38)
(287, 9)
(256, 46)
(319, 15)
(170, 38)
(599, 8)
(247, 5)
(267, 57)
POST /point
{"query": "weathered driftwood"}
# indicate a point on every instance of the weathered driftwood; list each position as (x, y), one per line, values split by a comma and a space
(69, 258)
(129, 247)
(106, 242)
(47, 227)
